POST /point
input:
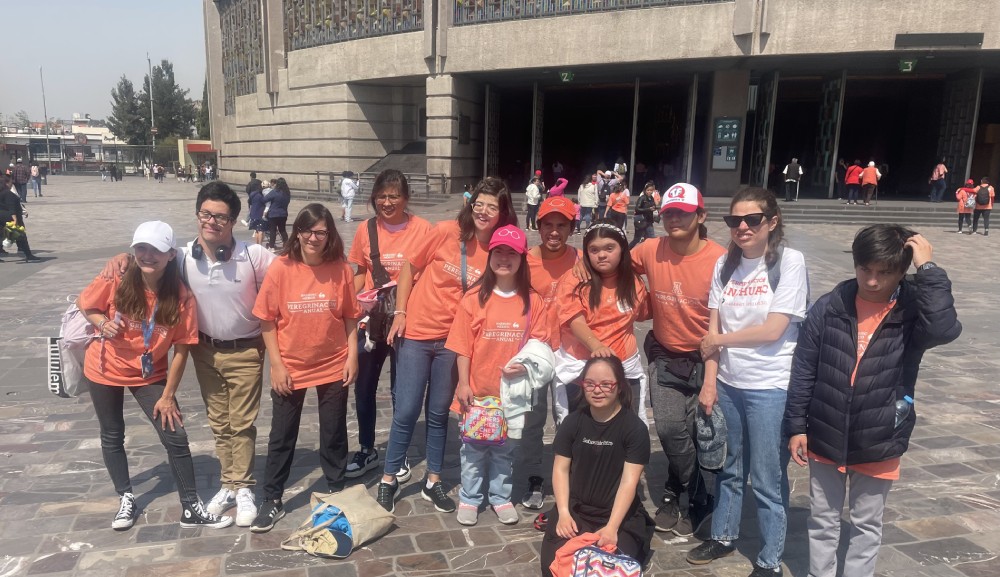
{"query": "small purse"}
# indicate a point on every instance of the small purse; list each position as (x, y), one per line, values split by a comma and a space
(595, 562)
(484, 423)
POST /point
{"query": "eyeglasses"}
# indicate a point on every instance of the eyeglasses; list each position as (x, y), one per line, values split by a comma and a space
(490, 209)
(319, 234)
(393, 198)
(505, 232)
(752, 220)
(205, 217)
(604, 386)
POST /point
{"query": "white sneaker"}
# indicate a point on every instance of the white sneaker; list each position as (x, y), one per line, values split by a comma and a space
(223, 500)
(126, 513)
(246, 510)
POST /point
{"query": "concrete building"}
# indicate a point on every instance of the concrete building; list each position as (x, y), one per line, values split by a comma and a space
(714, 92)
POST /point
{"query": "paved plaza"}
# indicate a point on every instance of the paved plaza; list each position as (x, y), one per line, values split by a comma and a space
(57, 502)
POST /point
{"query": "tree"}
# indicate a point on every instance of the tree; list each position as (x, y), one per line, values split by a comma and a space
(204, 123)
(126, 121)
(21, 119)
(173, 112)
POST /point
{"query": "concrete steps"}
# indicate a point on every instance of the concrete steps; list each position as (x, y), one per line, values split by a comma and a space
(905, 212)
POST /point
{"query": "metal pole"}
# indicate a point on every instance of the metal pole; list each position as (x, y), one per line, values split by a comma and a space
(45, 111)
(152, 123)
(534, 130)
(635, 125)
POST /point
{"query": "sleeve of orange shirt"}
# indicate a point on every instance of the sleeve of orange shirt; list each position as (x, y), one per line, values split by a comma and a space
(437, 236)
(638, 254)
(266, 307)
(98, 295)
(643, 310)
(186, 332)
(360, 248)
(568, 303)
(351, 308)
(461, 335)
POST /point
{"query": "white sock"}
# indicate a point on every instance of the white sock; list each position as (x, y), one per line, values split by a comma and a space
(429, 484)
(725, 543)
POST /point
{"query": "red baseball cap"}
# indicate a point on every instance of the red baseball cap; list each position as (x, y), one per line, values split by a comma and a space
(557, 205)
(682, 196)
(538, 173)
(511, 236)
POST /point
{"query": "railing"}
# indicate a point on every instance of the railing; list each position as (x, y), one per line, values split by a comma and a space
(311, 23)
(479, 11)
(421, 185)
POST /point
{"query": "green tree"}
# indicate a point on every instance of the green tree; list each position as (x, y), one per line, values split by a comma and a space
(173, 111)
(126, 121)
(203, 123)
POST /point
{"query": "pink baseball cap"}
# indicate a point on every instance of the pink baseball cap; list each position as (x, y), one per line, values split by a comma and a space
(682, 196)
(510, 236)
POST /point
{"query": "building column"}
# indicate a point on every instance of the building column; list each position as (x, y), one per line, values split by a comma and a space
(455, 114)
(730, 89)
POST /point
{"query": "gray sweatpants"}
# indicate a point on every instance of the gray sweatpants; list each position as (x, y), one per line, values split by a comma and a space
(866, 497)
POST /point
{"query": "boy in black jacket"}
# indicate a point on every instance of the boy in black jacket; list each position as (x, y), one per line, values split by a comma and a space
(849, 412)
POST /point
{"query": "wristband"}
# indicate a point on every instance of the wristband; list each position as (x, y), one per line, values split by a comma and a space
(394, 313)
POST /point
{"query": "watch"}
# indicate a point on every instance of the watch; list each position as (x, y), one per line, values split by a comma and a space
(927, 266)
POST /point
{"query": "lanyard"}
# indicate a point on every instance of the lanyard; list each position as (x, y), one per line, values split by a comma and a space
(148, 326)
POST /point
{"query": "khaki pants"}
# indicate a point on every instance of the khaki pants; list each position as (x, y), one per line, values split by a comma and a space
(231, 382)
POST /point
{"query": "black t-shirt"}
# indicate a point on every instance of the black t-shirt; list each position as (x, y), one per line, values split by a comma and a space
(598, 452)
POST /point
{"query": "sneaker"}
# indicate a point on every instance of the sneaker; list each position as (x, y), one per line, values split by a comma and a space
(683, 528)
(959, 232)
(506, 513)
(534, 498)
(246, 510)
(403, 474)
(195, 515)
(364, 460)
(759, 571)
(126, 513)
(270, 512)
(387, 495)
(709, 551)
(986, 233)
(222, 501)
(467, 514)
(437, 495)
(668, 514)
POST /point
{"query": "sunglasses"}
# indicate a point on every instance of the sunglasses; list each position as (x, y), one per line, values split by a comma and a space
(752, 220)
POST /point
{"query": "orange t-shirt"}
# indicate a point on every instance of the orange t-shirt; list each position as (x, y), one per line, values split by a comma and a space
(678, 288)
(870, 316)
(545, 275)
(312, 307)
(394, 248)
(434, 299)
(618, 202)
(491, 335)
(613, 322)
(120, 355)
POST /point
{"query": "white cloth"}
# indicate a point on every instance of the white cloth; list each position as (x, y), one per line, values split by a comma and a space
(518, 394)
(587, 194)
(532, 194)
(348, 188)
(568, 369)
(746, 302)
(225, 292)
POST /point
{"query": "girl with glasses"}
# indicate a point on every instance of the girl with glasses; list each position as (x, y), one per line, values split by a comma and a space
(758, 298)
(452, 257)
(309, 320)
(597, 316)
(600, 453)
(494, 321)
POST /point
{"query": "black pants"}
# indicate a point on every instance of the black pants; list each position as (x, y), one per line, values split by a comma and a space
(22, 245)
(370, 365)
(285, 418)
(869, 191)
(529, 220)
(108, 403)
(618, 218)
(985, 212)
(964, 217)
(634, 536)
(277, 225)
(791, 187)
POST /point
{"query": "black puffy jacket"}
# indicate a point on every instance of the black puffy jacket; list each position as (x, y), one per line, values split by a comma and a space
(856, 424)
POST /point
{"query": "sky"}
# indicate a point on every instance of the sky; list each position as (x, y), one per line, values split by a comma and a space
(85, 47)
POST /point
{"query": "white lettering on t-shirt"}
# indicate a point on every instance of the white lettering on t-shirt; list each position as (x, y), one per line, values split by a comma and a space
(472, 274)
(598, 442)
(312, 304)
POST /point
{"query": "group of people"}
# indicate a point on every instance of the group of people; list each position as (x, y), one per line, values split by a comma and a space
(268, 202)
(975, 202)
(479, 321)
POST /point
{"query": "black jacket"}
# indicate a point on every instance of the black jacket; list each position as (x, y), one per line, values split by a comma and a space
(852, 425)
(10, 206)
(254, 184)
(645, 206)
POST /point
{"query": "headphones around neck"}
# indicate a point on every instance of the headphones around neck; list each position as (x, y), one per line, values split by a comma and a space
(222, 254)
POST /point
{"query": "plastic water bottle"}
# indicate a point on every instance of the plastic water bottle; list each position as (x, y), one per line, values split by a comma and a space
(903, 408)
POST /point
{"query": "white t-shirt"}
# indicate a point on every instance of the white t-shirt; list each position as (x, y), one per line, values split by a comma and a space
(348, 188)
(745, 302)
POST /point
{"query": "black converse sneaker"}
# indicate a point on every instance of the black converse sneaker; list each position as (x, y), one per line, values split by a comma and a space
(270, 512)
(387, 495)
(364, 460)
(196, 515)
(126, 513)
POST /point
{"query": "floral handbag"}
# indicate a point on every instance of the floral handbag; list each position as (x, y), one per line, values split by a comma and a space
(484, 423)
(595, 562)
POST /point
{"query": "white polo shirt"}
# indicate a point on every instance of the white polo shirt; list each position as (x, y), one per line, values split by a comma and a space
(226, 291)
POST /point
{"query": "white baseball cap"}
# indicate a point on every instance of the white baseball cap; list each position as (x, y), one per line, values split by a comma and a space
(682, 196)
(156, 234)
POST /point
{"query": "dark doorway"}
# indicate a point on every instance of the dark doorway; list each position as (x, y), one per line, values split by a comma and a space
(796, 122)
(514, 139)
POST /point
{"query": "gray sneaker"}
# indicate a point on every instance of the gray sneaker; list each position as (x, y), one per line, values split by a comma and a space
(534, 497)
(468, 515)
(507, 513)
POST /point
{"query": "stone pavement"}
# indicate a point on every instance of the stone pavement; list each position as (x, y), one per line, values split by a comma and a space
(56, 502)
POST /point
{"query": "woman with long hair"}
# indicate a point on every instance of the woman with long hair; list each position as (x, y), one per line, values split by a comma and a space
(759, 294)
(309, 320)
(139, 316)
(450, 260)
(398, 234)
(277, 211)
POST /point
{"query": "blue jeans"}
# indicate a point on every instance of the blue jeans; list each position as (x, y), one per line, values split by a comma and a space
(529, 221)
(427, 381)
(587, 215)
(755, 447)
(369, 370)
(490, 463)
(937, 189)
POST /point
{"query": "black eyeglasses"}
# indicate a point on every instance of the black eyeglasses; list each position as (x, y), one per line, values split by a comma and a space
(752, 220)
(206, 217)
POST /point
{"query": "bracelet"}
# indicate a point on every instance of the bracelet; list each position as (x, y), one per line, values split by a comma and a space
(100, 326)
(394, 313)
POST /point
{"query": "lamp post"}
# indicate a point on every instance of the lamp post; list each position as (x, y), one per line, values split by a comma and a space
(152, 123)
(45, 111)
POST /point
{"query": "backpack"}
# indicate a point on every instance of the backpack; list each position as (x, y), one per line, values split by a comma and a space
(983, 195)
(773, 271)
(971, 200)
(67, 352)
(604, 192)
